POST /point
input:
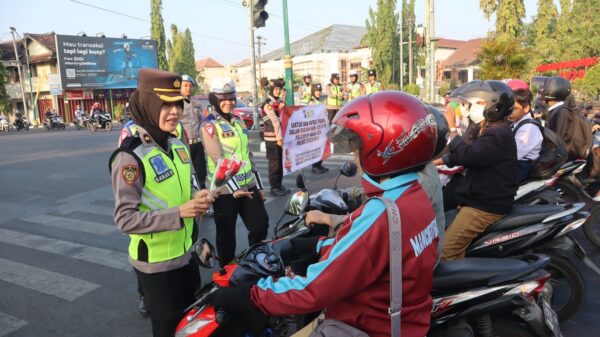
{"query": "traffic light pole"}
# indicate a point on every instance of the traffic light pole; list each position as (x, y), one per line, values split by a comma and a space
(287, 59)
(253, 65)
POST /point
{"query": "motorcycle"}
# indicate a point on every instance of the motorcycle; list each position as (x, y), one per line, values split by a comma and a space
(4, 125)
(55, 122)
(102, 120)
(21, 123)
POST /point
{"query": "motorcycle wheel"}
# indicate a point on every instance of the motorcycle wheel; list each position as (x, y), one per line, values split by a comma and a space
(511, 327)
(93, 127)
(108, 126)
(591, 227)
(47, 128)
(568, 287)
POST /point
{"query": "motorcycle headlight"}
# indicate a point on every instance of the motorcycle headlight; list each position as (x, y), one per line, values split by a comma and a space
(192, 328)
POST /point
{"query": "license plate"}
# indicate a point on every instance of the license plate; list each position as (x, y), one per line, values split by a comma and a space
(551, 319)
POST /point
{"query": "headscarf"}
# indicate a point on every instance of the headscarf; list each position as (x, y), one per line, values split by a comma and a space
(145, 112)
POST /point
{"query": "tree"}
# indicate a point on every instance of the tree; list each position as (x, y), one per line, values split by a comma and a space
(509, 15)
(382, 37)
(541, 33)
(579, 30)
(5, 105)
(408, 23)
(589, 87)
(503, 57)
(157, 32)
(181, 52)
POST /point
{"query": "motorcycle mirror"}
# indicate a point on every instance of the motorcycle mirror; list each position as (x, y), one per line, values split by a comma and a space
(297, 203)
(348, 169)
(300, 182)
(206, 253)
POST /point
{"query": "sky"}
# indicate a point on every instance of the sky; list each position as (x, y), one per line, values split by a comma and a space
(220, 27)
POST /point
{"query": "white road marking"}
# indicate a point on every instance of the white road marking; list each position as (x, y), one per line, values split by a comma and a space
(9, 324)
(44, 281)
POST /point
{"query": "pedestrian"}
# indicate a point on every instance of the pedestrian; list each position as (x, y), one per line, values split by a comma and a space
(192, 117)
(316, 90)
(224, 135)
(304, 91)
(335, 96)
(373, 85)
(274, 140)
(156, 201)
(354, 89)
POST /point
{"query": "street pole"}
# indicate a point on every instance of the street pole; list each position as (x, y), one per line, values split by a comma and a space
(259, 43)
(287, 59)
(253, 65)
(427, 50)
(401, 48)
(12, 31)
(410, 50)
(33, 105)
(432, 65)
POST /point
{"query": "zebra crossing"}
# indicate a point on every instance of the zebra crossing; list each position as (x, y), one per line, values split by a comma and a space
(80, 238)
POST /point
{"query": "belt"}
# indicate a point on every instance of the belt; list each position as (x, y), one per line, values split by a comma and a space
(196, 140)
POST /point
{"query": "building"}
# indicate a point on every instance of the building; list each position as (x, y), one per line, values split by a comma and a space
(209, 69)
(462, 65)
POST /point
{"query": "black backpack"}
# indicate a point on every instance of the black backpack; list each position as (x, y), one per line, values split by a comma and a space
(552, 155)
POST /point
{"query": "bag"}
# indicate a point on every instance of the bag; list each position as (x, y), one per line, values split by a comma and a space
(552, 155)
(581, 141)
(334, 328)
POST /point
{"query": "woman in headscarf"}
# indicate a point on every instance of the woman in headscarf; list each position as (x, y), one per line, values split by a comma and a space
(156, 200)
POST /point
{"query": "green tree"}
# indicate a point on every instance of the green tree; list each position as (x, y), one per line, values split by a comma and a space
(579, 30)
(157, 32)
(181, 52)
(589, 87)
(408, 23)
(382, 37)
(509, 15)
(540, 34)
(5, 105)
(503, 57)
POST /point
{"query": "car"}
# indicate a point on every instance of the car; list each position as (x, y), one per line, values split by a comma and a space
(245, 112)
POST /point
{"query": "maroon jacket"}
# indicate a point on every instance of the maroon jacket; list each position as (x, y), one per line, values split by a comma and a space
(352, 279)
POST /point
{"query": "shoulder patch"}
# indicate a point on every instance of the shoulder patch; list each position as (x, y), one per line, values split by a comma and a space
(130, 173)
(182, 153)
(210, 129)
(161, 169)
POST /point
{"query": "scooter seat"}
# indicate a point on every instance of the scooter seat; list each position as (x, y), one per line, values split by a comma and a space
(473, 272)
(524, 214)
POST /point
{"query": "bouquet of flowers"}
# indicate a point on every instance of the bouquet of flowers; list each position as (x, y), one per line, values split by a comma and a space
(225, 170)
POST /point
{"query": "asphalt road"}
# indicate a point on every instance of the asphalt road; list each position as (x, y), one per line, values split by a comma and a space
(63, 264)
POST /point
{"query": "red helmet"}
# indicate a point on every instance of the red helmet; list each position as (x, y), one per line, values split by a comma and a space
(516, 84)
(394, 132)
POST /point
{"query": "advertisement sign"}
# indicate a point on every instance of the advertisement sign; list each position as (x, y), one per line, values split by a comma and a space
(305, 142)
(55, 85)
(102, 63)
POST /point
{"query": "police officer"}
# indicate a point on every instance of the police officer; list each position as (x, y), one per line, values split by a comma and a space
(354, 89)
(274, 140)
(191, 123)
(224, 135)
(156, 200)
(304, 92)
(316, 91)
(373, 85)
(335, 95)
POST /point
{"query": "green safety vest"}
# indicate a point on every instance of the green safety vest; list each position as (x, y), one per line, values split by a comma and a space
(314, 101)
(335, 102)
(306, 94)
(167, 184)
(234, 142)
(371, 88)
(354, 91)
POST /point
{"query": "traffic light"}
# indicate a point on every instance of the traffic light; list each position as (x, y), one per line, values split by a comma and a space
(259, 15)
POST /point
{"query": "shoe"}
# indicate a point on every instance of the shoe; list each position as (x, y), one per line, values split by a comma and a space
(142, 307)
(284, 189)
(277, 191)
(319, 169)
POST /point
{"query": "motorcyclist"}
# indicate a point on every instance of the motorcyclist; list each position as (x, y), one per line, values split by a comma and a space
(351, 281)
(560, 115)
(79, 114)
(95, 112)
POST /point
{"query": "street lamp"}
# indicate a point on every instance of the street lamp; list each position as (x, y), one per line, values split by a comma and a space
(82, 33)
(100, 35)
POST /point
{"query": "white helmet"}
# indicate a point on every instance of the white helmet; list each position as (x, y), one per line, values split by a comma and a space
(223, 88)
(353, 73)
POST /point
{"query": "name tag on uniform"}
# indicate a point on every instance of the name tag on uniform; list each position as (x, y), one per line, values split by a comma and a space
(161, 169)
(183, 155)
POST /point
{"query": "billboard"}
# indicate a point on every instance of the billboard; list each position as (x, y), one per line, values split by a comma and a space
(102, 63)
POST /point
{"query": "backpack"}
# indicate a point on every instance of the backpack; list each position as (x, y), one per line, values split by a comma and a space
(581, 141)
(552, 155)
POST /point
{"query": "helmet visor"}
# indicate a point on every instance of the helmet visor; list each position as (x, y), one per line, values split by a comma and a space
(230, 95)
(344, 139)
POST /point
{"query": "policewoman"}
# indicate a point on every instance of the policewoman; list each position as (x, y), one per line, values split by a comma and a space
(224, 135)
(304, 90)
(335, 95)
(373, 85)
(315, 99)
(156, 200)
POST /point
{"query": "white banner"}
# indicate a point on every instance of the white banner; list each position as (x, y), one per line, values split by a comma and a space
(304, 136)
(55, 85)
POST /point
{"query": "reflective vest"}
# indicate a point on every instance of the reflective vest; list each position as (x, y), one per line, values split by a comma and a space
(167, 184)
(336, 102)
(306, 95)
(233, 138)
(314, 101)
(371, 88)
(354, 91)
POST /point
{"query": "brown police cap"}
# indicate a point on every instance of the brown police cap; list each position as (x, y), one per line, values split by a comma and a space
(316, 87)
(166, 85)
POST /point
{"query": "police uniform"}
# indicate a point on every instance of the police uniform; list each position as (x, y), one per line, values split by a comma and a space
(375, 86)
(317, 167)
(192, 117)
(149, 184)
(355, 90)
(335, 96)
(224, 138)
(272, 135)
(306, 95)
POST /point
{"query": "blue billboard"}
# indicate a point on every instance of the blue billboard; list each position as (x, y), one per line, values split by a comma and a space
(102, 63)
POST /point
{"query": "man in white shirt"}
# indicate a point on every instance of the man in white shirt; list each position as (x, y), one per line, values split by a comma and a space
(528, 134)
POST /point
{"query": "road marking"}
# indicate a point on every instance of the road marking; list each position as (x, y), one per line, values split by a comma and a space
(71, 224)
(91, 209)
(105, 257)
(9, 324)
(44, 281)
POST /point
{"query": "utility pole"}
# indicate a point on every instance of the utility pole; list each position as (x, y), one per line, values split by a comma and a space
(287, 59)
(33, 104)
(402, 48)
(12, 31)
(259, 43)
(432, 65)
(253, 64)
(428, 51)
(410, 50)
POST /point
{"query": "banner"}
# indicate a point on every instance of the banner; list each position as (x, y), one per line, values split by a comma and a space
(102, 63)
(55, 85)
(305, 142)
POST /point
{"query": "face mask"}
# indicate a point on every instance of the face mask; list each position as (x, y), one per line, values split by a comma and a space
(476, 112)
(464, 110)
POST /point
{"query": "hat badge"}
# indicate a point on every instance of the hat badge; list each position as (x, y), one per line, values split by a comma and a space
(177, 83)
(227, 87)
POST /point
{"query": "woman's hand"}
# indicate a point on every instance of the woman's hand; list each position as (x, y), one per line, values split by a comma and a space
(438, 162)
(241, 193)
(197, 206)
(319, 218)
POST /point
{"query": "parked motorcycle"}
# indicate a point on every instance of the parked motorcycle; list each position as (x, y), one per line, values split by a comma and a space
(4, 125)
(55, 122)
(102, 120)
(21, 124)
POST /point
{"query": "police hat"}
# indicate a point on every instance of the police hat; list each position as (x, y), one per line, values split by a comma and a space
(335, 75)
(316, 87)
(188, 78)
(372, 72)
(164, 84)
(223, 88)
(307, 76)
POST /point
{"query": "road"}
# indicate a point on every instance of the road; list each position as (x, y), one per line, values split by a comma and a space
(63, 263)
